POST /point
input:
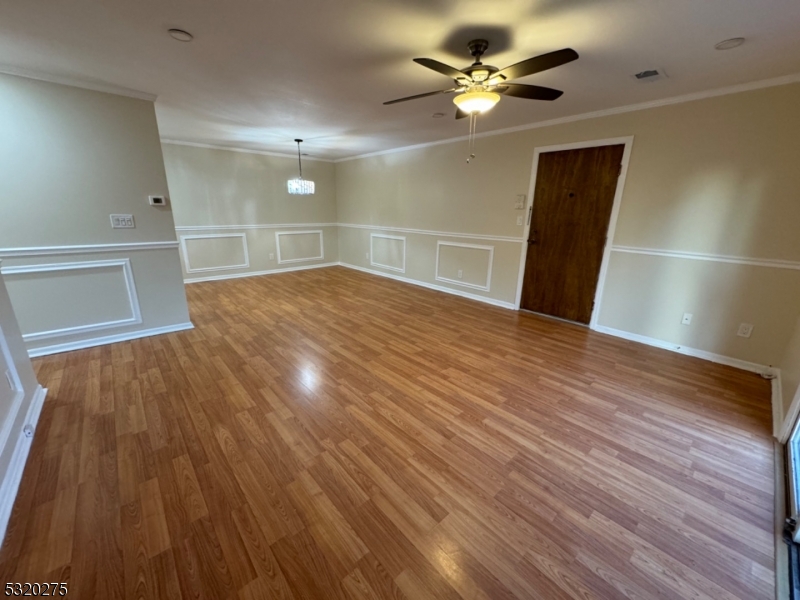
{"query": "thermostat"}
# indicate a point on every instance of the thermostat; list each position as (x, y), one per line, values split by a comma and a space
(158, 200)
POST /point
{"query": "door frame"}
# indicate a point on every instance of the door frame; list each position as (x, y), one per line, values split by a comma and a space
(612, 223)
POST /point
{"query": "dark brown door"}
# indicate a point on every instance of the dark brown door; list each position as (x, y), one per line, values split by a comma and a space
(572, 206)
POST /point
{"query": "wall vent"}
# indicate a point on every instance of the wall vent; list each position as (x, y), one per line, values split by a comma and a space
(650, 75)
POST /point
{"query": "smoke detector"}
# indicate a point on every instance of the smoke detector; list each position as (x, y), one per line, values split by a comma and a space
(649, 75)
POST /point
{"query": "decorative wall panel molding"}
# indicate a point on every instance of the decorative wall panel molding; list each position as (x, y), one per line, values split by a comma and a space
(382, 236)
(485, 286)
(130, 287)
(214, 236)
(282, 259)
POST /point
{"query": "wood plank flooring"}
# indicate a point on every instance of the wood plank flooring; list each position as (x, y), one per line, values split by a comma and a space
(331, 434)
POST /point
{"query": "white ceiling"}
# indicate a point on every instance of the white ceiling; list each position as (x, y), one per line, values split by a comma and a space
(260, 73)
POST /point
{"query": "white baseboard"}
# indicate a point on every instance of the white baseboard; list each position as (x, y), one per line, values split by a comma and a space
(438, 288)
(108, 339)
(781, 554)
(258, 273)
(13, 475)
(710, 356)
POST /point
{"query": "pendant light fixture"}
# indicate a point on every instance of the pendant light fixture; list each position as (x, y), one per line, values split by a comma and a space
(298, 185)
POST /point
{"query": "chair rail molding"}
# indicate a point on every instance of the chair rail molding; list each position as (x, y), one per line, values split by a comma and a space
(85, 249)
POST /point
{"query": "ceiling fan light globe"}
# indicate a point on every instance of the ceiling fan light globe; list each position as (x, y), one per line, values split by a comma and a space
(476, 102)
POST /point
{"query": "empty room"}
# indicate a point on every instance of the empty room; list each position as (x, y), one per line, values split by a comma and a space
(446, 299)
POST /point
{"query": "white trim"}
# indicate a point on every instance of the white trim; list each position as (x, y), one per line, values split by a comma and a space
(188, 267)
(430, 286)
(109, 339)
(471, 236)
(738, 260)
(488, 284)
(259, 273)
(781, 556)
(244, 150)
(84, 249)
(254, 226)
(18, 393)
(95, 86)
(372, 262)
(724, 91)
(16, 465)
(776, 389)
(130, 285)
(792, 415)
(278, 235)
(627, 141)
(680, 349)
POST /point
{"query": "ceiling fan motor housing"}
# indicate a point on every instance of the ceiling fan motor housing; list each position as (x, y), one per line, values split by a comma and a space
(477, 48)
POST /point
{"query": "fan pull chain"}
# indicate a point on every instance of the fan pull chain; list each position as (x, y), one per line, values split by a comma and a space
(473, 120)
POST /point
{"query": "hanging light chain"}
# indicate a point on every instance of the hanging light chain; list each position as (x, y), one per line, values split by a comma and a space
(473, 121)
(299, 160)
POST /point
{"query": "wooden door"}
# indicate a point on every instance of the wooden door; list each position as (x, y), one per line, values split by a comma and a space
(571, 210)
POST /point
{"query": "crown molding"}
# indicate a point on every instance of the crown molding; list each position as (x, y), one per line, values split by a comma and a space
(734, 89)
(95, 86)
(244, 150)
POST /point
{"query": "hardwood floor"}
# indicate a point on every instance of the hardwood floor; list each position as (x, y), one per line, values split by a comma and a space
(331, 434)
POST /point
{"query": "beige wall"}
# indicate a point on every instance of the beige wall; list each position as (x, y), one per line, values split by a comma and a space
(230, 205)
(71, 157)
(18, 408)
(713, 176)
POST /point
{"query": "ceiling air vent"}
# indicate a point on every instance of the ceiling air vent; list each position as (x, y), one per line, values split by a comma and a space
(650, 75)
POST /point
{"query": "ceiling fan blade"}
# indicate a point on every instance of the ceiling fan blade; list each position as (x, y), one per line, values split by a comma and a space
(442, 68)
(531, 92)
(538, 64)
(451, 90)
(460, 114)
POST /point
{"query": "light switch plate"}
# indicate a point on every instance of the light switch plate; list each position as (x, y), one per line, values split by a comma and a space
(520, 203)
(519, 221)
(271, 256)
(122, 222)
(460, 273)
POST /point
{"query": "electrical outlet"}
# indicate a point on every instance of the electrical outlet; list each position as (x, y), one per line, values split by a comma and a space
(519, 221)
(460, 273)
(122, 222)
(745, 329)
(687, 319)
(271, 256)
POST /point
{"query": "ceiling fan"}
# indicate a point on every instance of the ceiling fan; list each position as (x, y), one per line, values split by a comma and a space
(480, 86)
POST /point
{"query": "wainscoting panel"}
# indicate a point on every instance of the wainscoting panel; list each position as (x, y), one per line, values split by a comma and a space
(388, 251)
(467, 265)
(299, 246)
(53, 300)
(214, 252)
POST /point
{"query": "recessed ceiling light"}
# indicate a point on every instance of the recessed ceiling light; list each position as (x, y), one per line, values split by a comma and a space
(437, 115)
(728, 44)
(181, 35)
